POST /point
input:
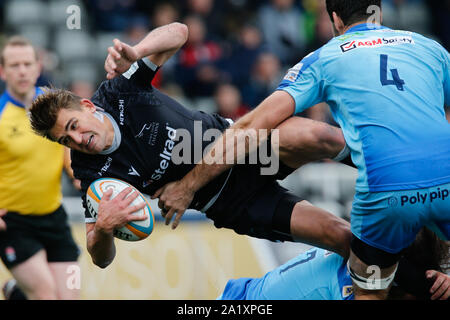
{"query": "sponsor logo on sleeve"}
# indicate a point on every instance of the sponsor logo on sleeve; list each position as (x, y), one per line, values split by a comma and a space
(347, 291)
(296, 70)
(293, 72)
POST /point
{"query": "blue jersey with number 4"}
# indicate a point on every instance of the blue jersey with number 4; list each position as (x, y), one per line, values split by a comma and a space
(387, 90)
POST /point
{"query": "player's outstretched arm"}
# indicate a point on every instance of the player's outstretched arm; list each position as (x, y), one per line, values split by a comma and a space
(159, 45)
(100, 246)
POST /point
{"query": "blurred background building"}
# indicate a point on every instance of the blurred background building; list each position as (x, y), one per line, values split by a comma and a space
(237, 53)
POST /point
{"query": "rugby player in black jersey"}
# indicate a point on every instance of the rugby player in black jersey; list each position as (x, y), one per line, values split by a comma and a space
(129, 129)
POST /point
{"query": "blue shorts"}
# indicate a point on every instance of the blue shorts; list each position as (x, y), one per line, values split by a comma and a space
(391, 220)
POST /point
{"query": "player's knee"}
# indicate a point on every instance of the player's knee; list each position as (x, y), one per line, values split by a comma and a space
(317, 139)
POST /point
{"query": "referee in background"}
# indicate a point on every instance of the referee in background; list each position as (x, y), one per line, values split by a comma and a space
(36, 243)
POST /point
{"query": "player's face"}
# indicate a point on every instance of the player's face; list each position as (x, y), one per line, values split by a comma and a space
(81, 130)
(20, 69)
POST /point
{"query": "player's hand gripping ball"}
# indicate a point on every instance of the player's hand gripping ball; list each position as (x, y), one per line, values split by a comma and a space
(132, 231)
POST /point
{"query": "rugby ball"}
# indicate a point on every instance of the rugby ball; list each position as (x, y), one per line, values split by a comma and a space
(132, 231)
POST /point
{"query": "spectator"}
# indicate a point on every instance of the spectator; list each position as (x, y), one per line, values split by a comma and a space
(243, 54)
(210, 12)
(265, 77)
(410, 15)
(138, 27)
(229, 102)
(323, 30)
(48, 62)
(164, 13)
(282, 24)
(196, 71)
(82, 89)
(112, 15)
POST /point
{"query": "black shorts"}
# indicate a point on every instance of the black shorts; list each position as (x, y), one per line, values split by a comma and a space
(373, 256)
(25, 235)
(255, 205)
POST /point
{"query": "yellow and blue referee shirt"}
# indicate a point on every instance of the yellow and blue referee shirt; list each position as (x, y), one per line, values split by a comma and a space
(30, 166)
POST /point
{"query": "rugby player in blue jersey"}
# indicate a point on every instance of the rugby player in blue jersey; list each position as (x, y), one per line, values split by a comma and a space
(387, 90)
(318, 274)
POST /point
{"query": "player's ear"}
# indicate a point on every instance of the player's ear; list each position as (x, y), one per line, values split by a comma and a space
(86, 103)
(338, 23)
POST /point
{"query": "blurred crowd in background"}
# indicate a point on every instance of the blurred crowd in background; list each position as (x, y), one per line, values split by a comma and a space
(236, 54)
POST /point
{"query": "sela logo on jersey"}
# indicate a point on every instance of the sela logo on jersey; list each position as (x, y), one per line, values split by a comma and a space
(164, 157)
(376, 42)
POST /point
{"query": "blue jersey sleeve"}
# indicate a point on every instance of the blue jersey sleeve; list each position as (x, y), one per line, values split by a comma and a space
(304, 82)
(447, 79)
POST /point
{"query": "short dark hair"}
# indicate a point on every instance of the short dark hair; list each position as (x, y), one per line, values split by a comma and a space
(427, 252)
(45, 108)
(351, 11)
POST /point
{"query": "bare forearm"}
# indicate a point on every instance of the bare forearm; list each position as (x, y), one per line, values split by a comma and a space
(167, 38)
(100, 246)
